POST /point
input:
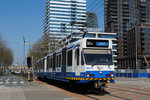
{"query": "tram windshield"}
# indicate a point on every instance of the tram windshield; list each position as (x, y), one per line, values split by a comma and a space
(97, 57)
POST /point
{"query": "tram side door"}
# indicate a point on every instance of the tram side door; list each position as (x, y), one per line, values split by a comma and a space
(77, 62)
(63, 69)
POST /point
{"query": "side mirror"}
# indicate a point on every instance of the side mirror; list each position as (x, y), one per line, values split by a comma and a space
(29, 62)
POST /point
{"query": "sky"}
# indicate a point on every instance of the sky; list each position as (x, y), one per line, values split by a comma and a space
(24, 18)
(20, 18)
(97, 6)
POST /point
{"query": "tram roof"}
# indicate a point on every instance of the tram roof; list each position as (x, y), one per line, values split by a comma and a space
(77, 35)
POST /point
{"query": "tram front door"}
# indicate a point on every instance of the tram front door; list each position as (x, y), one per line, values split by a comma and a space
(77, 60)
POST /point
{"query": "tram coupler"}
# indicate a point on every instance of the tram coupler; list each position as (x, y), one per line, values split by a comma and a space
(100, 85)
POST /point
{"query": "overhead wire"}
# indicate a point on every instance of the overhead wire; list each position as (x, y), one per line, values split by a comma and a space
(95, 6)
(92, 3)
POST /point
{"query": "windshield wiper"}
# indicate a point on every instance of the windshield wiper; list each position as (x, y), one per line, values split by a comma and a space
(101, 62)
(97, 63)
(93, 64)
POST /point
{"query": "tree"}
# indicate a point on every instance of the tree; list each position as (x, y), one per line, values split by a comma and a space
(6, 55)
(37, 50)
(44, 46)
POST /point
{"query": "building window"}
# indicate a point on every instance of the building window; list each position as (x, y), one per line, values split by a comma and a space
(114, 53)
(113, 47)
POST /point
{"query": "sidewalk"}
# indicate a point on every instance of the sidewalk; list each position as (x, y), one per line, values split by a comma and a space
(131, 79)
(139, 82)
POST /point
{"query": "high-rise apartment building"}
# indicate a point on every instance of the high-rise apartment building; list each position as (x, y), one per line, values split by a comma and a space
(92, 22)
(138, 47)
(62, 17)
(110, 15)
(120, 17)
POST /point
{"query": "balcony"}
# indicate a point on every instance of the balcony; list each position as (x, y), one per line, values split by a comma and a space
(125, 17)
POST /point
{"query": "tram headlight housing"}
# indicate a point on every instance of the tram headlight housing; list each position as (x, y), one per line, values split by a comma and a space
(100, 72)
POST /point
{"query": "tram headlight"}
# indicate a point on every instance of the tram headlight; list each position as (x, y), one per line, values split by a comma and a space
(112, 74)
(100, 72)
(88, 75)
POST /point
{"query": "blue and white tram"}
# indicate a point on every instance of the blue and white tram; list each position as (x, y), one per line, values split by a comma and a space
(87, 60)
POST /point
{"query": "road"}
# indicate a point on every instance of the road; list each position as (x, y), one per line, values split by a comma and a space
(15, 88)
(11, 81)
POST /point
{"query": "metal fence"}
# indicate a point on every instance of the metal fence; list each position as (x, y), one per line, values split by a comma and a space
(130, 73)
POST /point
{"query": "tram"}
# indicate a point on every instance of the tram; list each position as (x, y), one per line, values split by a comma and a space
(88, 61)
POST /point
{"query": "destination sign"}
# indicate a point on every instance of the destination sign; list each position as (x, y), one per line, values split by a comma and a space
(97, 43)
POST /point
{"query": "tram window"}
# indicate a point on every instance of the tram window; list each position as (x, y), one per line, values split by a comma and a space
(49, 66)
(77, 56)
(82, 61)
(36, 67)
(47, 63)
(64, 57)
(69, 58)
(51, 62)
(59, 60)
(43, 63)
(54, 61)
(39, 66)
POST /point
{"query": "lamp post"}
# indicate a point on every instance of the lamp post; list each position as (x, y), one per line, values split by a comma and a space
(136, 50)
(24, 51)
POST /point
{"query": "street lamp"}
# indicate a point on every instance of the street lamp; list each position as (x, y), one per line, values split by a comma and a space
(24, 51)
